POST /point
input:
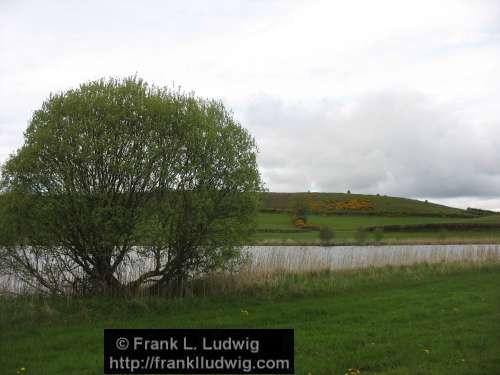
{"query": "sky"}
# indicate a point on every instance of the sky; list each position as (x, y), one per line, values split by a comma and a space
(392, 97)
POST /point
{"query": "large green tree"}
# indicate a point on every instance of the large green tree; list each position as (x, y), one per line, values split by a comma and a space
(120, 183)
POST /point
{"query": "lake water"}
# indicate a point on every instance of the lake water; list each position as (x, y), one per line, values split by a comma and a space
(306, 258)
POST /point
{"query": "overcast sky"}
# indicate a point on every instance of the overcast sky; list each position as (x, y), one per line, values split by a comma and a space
(391, 97)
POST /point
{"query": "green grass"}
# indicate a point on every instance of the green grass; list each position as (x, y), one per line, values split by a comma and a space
(276, 207)
(489, 219)
(426, 319)
(345, 227)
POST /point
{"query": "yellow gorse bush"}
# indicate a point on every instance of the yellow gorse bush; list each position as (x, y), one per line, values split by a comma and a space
(299, 223)
(332, 205)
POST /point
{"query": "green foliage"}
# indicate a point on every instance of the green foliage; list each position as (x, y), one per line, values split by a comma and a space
(360, 235)
(117, 163)
(378, 234)
(442, 234)
(326, 234)
(300, 209)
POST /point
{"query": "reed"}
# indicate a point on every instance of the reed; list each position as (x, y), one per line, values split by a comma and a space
(265, 268)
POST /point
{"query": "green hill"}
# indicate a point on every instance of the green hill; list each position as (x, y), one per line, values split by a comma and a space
(398, 220)
(362, 204)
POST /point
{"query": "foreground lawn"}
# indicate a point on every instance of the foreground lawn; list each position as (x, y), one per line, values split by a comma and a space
(439, 319)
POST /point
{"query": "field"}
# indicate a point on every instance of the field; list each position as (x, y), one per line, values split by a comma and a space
(425, 319)
(346, 226)
(275, 220)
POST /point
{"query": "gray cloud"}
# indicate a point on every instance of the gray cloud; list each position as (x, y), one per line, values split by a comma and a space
(398, 143)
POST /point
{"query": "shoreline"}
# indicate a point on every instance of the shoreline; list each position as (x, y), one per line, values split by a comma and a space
(378, 244)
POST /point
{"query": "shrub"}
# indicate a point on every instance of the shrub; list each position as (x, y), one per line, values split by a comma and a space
(311, 227)
(443, 233)
(299, 222)
(360, 235)
(378, 234)
(326, 234)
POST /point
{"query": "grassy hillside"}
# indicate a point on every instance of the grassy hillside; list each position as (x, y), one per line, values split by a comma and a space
(440, 319)
(338, 203)
(400, 220)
